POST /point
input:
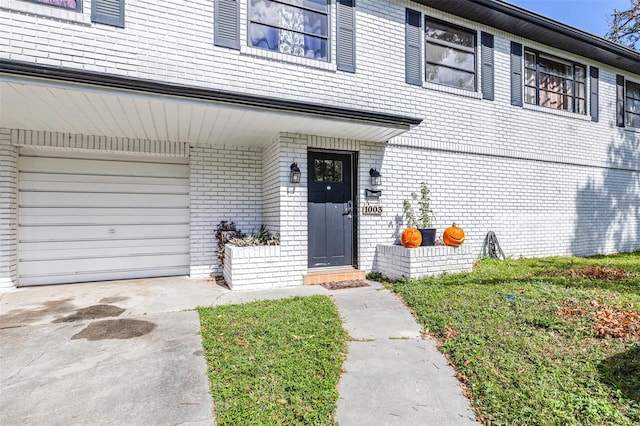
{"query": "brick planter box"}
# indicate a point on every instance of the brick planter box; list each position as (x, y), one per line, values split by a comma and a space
(256, 268)
(396, 262)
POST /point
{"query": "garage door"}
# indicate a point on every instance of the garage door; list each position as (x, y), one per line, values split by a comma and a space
(89, 217)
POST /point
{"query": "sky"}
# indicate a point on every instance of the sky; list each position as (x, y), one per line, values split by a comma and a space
(592, 16)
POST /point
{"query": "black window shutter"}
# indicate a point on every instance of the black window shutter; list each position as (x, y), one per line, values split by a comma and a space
(620, 101)
(486, 51)
(346, 35)
(595, 74)
(516, 74)
(413, 49)
(226, 26)
(109, 12)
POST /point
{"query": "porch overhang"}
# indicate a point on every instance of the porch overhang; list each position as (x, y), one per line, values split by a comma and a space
(64, 100)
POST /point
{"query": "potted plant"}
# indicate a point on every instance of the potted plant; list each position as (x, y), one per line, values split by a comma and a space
(421, 220)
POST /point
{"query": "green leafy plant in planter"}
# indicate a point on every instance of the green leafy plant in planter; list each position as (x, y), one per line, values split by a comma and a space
(422, 219)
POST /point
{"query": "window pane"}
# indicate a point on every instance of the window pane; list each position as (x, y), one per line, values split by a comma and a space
(580, 73)
(444, 32)
(530, 77)
(327, 171)
(319, 5)
(451, 77)
(555, 84)
(633, 90)
(581, 106)
(288, 42)
(288, 17)
(556, 68)
(70, 4)
(529, 59)
(632, 120)
(580, 90)
(453, 58)
(555, 100)
(530, 95)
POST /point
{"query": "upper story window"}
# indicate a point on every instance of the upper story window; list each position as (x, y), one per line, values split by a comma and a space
(450, 55)
(293, 27)
(67, 4)
(632, 105)
(554, 83)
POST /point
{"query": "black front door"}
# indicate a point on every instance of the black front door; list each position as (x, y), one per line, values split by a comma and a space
(330, 209)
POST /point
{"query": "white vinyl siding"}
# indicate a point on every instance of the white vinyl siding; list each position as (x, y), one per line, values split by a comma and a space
(88, 217)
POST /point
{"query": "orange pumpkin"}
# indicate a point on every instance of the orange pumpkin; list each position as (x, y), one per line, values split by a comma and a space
(453, 236)
(411, 238)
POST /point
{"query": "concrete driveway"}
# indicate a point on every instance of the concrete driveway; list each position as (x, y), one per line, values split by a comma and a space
(111, 353)
(130, 353)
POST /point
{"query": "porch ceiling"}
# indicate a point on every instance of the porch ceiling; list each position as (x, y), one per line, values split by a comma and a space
(62, 106)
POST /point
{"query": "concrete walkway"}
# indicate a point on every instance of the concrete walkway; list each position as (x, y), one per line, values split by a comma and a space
(392, 375)
(57, 367)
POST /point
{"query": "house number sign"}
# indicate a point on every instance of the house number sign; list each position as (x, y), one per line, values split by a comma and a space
(371, 210)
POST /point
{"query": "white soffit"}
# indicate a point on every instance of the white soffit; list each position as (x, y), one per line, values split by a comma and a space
(72, 108)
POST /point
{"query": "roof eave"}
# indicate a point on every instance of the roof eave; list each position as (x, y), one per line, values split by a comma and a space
(516, 20)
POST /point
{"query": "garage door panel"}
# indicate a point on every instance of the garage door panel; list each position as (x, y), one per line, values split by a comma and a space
(101, 167)
(66, 199)
(104, 276)
(116, 232)
(104, 187)
(87, 217)
(68, 216)
(53, 252)
(104, 264)
(89, 178)
(84, 245)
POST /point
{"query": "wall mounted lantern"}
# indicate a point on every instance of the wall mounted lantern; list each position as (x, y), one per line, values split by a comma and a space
(376, 177)
(295, 173)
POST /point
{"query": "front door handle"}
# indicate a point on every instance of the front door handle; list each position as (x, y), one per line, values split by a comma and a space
(349, 209)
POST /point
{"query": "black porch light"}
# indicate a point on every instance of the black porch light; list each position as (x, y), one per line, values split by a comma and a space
(376, 177)
(295, 173)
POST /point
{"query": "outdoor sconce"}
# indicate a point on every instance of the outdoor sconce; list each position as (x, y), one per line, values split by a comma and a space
(376, 177)
(295, 173)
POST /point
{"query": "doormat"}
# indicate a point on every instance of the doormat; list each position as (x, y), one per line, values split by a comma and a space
(339, 285)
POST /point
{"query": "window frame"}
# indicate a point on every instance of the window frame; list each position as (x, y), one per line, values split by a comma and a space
(445, 44)
(78, 7)
(327, 39)
(538, 55)
(627, 112)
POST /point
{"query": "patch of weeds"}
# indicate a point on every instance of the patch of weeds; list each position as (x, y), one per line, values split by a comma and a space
(525, 341)
(274, 362)
(376, 276)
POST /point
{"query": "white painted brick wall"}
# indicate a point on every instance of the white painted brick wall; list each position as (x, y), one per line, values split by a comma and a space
(535, 207)
(253, 268)
(395, 262)
(226, 184)
(271, 186)
(8, 210)
(545, 182)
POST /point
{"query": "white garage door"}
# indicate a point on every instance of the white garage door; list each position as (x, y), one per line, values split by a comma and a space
(93, 217)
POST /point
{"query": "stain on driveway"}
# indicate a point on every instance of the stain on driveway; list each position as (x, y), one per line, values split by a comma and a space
(92, 312)
(115, 329)
(20, 317)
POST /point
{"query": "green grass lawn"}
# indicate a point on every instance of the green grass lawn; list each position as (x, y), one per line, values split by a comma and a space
(274, 362)
(550, 341)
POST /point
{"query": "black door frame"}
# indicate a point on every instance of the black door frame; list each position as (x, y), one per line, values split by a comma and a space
(354, 155)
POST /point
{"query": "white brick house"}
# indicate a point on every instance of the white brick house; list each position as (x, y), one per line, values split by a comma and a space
(129, 130)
